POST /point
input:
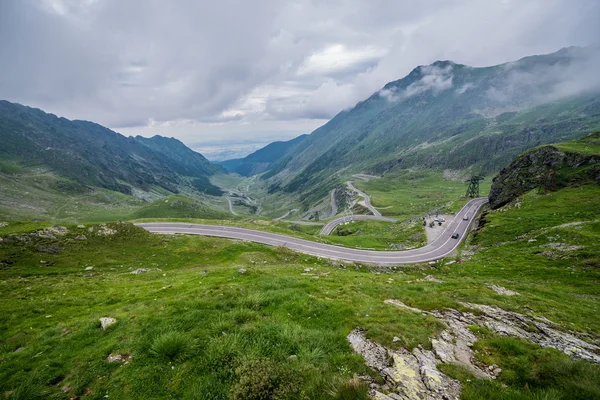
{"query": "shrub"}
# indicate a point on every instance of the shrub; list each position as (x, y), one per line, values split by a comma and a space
(259, 379)
(172, 346)
(353, 389)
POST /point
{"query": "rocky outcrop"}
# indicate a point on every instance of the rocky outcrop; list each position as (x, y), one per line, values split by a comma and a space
(414, 375)
(411, 375)
(548, 168)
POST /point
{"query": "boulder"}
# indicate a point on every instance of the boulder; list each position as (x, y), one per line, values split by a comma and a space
(105, 322)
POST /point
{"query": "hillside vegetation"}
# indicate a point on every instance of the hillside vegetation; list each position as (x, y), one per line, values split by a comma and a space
(447, 116)
(92, 155)
(549, 168)
(215, 318)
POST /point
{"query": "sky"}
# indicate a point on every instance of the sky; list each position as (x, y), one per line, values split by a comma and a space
(229, 76)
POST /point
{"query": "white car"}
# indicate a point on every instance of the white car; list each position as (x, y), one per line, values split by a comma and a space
(466, 218)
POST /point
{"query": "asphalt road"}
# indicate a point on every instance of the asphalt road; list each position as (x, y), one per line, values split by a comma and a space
(439, 248)
(366, 198)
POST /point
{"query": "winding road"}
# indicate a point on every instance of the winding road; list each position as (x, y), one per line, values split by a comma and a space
(366, 199)
(437, 249)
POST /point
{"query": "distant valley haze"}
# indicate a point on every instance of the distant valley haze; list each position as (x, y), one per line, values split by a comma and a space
(229, 77)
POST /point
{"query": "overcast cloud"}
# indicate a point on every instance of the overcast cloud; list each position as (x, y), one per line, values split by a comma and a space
(254, 71)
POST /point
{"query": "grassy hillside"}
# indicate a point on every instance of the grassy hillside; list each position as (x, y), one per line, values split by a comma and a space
(549, 168)
(446, 116)
(93, 155)
(177, 206)
(197, 328)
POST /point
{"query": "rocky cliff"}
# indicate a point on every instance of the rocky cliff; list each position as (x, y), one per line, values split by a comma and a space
(548, 168)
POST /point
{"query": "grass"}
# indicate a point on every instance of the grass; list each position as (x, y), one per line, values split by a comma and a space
(409, 193)
(177, 206)
(195, 326)
(528, 373)
(589, 145)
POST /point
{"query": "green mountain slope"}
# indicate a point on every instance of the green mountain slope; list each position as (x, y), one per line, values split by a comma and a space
(549, 168)
(263, 158)
(93, 155)
(447, 115)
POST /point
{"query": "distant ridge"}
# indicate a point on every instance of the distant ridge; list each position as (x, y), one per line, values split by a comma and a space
(93, 155)
(261, 159)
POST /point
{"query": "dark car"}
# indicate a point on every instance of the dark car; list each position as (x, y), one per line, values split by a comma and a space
(455, 235)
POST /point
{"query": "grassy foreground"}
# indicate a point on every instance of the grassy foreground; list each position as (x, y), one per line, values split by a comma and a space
(199, 329)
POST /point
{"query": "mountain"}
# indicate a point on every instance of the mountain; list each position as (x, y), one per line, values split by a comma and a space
(262, 159)
(549, 168)
(93, 155)
(450, 116)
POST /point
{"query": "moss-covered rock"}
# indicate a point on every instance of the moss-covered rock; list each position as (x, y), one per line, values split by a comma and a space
(548, 168)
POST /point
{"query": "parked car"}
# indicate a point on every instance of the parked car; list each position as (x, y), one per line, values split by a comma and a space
(466, 218)
(455, 235)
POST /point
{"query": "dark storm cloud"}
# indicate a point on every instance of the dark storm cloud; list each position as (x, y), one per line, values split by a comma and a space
(193, 68)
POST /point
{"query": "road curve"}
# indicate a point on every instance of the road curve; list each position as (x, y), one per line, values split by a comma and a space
(334, 209)
(437, 249)
(366, 198)
(330, 226)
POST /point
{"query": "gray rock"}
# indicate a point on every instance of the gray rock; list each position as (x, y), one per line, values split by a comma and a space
(410, 375)
(430, 278)
(52, 232)
(89, 268)
(242, 271)
(144, 270)
(118, 357)
(502, 291)
(105, 322)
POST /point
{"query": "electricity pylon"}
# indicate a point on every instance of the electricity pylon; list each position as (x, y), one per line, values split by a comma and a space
(473, 189)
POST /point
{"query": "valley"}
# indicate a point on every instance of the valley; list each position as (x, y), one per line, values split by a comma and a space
(348, 263)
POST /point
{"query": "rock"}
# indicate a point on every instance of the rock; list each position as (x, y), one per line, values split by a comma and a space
(411, 375)
(144, 270)
(537, 168)
(293, 357)
(52, 232)
(81, 226)
(497, 371)
(89, 268)
(242, 271)
(104, 230)
(395, 339)
(105, 322)
(308, 269)
(502, 291)
(430, 278)
(534, 330)
(3, 224)
(51, 248)
(118, 357)
(80, 237)
(400, 304)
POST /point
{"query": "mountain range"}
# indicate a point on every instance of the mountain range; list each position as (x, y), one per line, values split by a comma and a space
(92, 155)
(440, 116)
(262, 159)
(449, 116)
